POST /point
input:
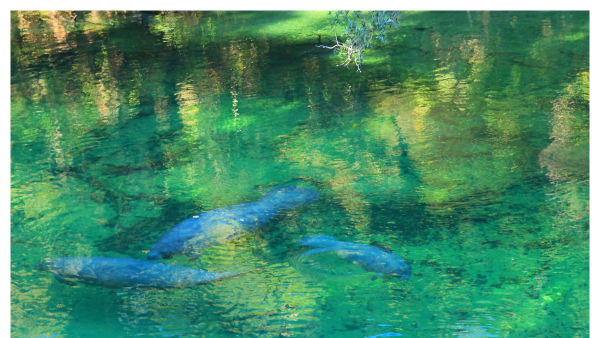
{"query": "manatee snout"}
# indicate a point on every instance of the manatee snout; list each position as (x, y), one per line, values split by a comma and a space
(401, 277)
(41, 265)
(155, 255)
(404, 274)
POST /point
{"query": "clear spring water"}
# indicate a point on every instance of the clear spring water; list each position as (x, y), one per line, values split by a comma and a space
(463, 146)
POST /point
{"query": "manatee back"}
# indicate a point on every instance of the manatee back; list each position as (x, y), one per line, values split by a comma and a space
(117, 272)
(289, 197)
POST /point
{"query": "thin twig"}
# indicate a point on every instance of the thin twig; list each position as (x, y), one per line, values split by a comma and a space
(329, 47)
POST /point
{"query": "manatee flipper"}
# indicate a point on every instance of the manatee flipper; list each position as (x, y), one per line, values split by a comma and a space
(376, 276)
(314, 251)
(63, 280)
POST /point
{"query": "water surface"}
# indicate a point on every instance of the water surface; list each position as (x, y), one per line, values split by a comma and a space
(463, 146)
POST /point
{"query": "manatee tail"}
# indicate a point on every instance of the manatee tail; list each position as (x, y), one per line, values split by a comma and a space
(290, 197)
(319, 240)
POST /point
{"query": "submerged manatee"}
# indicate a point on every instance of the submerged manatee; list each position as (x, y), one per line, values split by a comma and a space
(126, 272)
(224, 224)
(370, 258)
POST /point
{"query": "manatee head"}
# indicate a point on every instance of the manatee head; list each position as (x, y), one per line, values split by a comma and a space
(51, 264)
(159, 252)
(44, 265)
(160, 249)
(403, 278)
(403, 272)
(155, 255)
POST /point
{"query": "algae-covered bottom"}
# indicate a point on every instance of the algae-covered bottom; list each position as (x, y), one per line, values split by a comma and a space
(462, 148)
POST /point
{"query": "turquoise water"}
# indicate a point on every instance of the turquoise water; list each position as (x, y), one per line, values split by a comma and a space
(463, 146)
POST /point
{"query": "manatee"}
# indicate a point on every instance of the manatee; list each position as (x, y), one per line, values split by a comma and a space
(127, 272)
(220, 225)
(369, 257)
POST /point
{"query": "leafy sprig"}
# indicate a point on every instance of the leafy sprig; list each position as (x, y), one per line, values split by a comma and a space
(360, 28)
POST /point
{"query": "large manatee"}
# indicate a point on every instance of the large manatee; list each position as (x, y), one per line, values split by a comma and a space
(220, 225)
(126, 272)
(369, 257)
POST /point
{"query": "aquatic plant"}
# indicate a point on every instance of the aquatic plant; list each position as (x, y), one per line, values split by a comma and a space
(359, 29)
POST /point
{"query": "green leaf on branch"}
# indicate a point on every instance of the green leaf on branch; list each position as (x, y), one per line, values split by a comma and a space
(359, 29)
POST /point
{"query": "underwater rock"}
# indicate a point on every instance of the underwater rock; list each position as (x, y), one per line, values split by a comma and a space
(371, 258)
(126, 272)
(224, 224)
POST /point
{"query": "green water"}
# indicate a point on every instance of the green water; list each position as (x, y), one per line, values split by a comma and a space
(463, 146)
